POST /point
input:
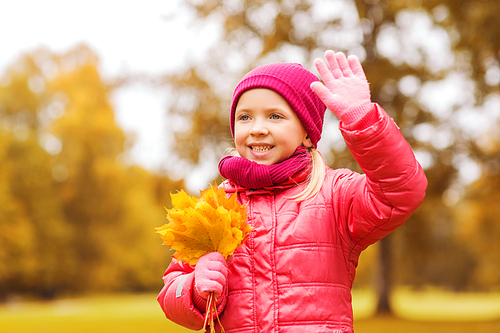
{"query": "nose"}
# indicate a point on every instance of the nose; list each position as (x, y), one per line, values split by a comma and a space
(259, 129)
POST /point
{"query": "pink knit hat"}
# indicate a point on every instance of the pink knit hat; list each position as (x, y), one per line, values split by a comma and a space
(292, 82)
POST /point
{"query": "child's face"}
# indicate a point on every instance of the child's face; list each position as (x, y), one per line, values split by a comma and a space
(266, 129)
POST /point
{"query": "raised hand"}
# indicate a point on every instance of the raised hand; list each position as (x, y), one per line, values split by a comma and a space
(345, 90)
(210, 274)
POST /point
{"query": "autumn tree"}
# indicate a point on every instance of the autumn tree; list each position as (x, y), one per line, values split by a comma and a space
(444, 132)
(74, 216)
(32, 226)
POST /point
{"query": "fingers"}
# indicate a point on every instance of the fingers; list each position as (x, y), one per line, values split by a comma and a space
(211, 263)
(356, 67)
(327, 96)
(323, 70)
(211, 257)
(323, 92)
(338, 65)
(211, 274)
(343, 64)
(333, 63)
(212, 281)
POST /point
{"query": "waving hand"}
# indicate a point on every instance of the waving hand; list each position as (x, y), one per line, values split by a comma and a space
(345, 90)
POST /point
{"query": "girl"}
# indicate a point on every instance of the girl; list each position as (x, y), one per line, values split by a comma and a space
(295, 271)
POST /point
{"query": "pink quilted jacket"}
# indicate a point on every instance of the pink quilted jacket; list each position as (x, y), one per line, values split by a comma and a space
(295, 272)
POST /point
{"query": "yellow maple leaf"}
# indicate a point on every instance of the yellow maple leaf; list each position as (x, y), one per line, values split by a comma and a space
(197, 226)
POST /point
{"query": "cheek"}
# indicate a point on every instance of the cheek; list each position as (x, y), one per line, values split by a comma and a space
(294, 135)
(239, 138)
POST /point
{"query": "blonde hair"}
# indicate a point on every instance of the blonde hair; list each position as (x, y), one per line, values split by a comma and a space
(314, 180)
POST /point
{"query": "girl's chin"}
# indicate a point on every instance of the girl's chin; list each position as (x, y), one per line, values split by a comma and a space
(268, 159)
(265, 158)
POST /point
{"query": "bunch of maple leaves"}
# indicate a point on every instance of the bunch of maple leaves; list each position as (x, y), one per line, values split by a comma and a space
(197, 226)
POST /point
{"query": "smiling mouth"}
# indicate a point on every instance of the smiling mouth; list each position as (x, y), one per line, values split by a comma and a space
(261, 149)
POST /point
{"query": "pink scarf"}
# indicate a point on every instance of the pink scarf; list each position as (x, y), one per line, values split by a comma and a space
(252, 175)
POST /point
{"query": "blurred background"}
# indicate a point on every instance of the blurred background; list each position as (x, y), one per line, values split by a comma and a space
(107, 107)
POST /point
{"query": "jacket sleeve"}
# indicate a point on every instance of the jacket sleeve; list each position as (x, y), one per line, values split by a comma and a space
(392, 187)
(179, 300)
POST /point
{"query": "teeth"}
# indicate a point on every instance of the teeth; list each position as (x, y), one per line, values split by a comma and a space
(261, 149)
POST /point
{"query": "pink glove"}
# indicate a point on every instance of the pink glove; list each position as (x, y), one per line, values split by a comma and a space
(345, 90)
(210, 275)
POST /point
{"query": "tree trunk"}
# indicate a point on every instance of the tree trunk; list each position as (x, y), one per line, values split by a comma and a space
(384, 280)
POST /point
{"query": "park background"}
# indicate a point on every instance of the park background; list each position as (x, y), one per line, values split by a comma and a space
(91, 145)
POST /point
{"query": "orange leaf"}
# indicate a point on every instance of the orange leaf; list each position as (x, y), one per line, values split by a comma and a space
(197, 226)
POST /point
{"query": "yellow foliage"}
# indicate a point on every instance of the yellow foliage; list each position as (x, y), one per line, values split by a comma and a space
(197, 226)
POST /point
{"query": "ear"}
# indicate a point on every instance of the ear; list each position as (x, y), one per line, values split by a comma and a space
(306, 142)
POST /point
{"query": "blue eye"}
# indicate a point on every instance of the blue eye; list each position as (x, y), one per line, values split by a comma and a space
(244, 117)
(275, 116)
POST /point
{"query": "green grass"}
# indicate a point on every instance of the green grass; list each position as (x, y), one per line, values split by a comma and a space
(438, 306)
(113, 313)
(428, 311)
